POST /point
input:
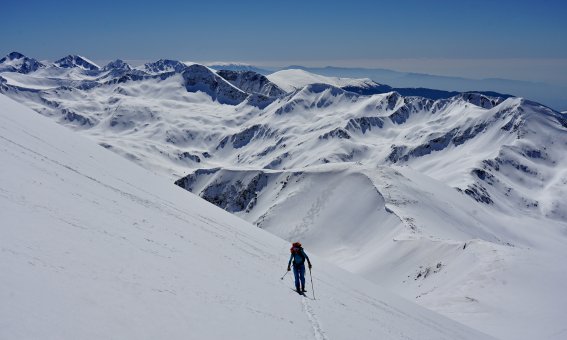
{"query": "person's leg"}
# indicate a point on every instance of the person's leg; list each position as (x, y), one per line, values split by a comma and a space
(302, 276)
(296, 272)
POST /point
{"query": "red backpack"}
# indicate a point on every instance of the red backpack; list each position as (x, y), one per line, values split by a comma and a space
(295, 248)
(297, 252)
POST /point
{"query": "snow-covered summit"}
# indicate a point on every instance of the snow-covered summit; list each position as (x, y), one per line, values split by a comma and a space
(252, 82)
(164, 65)
(17, 62)
(292, 79)
(201, 78)
(117, 64)
(72, 61)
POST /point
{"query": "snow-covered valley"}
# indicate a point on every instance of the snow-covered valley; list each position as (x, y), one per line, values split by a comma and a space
(93, 246)
(457, 204)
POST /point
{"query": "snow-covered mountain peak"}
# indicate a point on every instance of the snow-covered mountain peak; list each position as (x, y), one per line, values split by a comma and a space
(252, 82)
(117, 64)
(292, 79)
(201, 78)
(165, 65)
(481, 100)
(76, 61)
(17, 62)
(12, 56)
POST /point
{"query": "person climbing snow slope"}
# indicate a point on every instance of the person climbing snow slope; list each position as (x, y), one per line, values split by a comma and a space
(298, 257)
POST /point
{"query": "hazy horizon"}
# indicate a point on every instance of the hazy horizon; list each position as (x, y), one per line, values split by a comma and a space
(522, 41)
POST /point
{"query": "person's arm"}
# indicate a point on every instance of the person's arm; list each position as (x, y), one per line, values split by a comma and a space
(289, 263)
(307, 258)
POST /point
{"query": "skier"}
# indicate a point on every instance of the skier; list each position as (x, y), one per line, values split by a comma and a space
(298, 256)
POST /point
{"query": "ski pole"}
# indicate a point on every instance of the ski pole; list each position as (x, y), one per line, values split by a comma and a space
(313, 288)
(281, 278)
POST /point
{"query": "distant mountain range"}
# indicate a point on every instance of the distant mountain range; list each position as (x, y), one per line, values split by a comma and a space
(434, 86)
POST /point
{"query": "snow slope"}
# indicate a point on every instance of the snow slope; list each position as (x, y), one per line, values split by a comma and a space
(413, 234)
(95, 247)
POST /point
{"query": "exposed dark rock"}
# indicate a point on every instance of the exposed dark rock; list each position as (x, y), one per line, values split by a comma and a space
(76, 118)
(364, 124)
(237, 196)
(187, 155)
(479, 194)
(244, 137)
(335, 133)
(252, 82)
(200, 78)
(71, 61)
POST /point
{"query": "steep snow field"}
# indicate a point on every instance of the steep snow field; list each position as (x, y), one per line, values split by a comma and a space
(415, 235)
(95, 247)
(457, 204)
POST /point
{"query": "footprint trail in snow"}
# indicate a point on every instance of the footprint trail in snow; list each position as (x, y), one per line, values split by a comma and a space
(318, 331)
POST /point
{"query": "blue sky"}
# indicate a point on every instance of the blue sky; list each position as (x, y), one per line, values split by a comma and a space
(349, 33)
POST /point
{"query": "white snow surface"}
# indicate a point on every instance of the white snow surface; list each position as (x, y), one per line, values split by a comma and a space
(457, 204)
(294, 79)
(94, 247)
(499, 273)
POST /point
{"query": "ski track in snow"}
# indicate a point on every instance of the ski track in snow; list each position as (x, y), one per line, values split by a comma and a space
(317, 330)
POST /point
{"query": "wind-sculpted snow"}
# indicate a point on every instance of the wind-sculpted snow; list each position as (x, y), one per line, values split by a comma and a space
(473, 172)
(94, 247)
